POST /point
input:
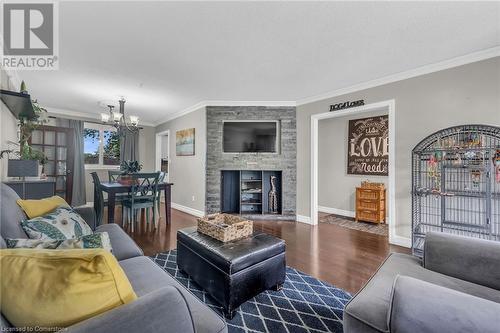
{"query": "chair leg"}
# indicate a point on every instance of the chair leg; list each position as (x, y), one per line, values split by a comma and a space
(147, 215)
(129, 218)
(132, 219)
(123, 216)
(158, 204)
(154, 215)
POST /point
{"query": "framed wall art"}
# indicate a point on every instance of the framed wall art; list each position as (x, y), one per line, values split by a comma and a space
(368, 146)
(184, 142)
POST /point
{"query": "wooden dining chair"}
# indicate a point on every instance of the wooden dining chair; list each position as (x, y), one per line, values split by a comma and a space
(99, 201)
(143, 195)
(114, 175)
(161, 179)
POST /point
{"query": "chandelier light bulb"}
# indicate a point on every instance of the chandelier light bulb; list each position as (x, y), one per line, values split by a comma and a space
(134, 120)
(116, 116)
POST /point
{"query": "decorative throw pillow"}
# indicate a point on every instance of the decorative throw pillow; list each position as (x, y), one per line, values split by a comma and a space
(62, 223)
(36, 208)
(93, 241)
(58, 288)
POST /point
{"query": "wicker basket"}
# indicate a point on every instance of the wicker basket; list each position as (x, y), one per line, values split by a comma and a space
(225, 227)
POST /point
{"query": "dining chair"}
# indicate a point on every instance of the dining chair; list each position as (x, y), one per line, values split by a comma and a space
(113, 175)
(143, 194)
(99, 201)
(161, 179)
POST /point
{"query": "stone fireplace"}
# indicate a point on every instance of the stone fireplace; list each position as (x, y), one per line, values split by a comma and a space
(283, 162)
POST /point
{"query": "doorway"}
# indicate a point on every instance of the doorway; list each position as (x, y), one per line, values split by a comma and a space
(353, 172)
(57, 145)
(162, 156)
(389, 108)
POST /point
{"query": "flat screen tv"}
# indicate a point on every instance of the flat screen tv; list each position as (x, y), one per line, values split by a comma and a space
(250, 136)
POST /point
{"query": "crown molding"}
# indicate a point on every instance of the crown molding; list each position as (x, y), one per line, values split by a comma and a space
(427, 69)
(181, 113)
(204, 104)
(71, 114)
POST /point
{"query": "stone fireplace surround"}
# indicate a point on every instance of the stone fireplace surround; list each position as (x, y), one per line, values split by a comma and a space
(285, 160)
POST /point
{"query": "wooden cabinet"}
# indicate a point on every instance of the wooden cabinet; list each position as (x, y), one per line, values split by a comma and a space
(370, 204)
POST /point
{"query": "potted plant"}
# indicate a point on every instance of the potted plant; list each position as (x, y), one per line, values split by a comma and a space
(128, 168)
(26, 128)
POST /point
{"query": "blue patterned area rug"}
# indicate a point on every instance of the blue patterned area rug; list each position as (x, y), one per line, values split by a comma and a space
(305, 304)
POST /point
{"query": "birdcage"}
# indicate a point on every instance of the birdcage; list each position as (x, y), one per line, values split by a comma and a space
(456, 184)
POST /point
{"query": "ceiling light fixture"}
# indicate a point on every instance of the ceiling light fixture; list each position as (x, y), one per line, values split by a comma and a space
(117, 119)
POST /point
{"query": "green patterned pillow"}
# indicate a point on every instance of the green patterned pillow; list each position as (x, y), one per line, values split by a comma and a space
(62, 223)
(92, 241)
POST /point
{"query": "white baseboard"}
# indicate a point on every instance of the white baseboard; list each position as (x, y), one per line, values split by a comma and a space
(400, 241)
(336, 211)
(303, 219)
(189, 210)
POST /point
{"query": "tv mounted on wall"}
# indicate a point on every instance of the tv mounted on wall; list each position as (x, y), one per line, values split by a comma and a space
(250, 136)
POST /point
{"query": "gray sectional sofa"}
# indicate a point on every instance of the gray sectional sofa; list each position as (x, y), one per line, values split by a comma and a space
(454, 288)
(163, 305)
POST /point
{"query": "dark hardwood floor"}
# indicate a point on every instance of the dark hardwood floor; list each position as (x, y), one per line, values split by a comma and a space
(343, 257)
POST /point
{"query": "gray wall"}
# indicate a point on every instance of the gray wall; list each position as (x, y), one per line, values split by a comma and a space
(337, 189)
(462, 95)
(285, 160)
(187, 172)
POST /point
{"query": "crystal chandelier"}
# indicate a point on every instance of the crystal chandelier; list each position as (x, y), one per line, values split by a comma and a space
(117, 119)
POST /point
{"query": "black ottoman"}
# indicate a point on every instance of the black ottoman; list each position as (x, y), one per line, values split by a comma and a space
(232, 272)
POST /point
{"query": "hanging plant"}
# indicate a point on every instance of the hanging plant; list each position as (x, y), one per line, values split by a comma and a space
(26, 128)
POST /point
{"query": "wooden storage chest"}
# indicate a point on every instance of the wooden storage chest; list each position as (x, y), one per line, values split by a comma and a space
(370, 204)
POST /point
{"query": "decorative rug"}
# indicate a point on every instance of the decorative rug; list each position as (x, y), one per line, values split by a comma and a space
(305, 304)
(374, 228)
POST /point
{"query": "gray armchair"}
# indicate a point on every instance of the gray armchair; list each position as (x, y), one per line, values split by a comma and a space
(419, 306)
(454, 288)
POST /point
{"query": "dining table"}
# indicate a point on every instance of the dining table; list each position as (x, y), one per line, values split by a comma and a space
(113, 188)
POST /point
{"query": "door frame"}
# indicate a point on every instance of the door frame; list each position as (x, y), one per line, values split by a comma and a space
(389, 107)
(159, 135)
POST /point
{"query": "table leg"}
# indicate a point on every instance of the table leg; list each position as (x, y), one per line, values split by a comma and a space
(111, 207)
(168, 199)
(97, 211)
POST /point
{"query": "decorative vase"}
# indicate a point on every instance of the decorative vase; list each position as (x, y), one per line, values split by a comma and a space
(273, 197)
(126, 180)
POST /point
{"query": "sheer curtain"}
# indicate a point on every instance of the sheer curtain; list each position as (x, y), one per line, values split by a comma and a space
(129, 146)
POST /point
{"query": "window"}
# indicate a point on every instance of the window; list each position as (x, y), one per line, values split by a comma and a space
(101, 146)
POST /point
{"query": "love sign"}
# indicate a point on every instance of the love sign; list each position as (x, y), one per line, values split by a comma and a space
(368, 146)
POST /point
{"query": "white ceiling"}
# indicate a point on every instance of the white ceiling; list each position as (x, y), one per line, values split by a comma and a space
(167, 56)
